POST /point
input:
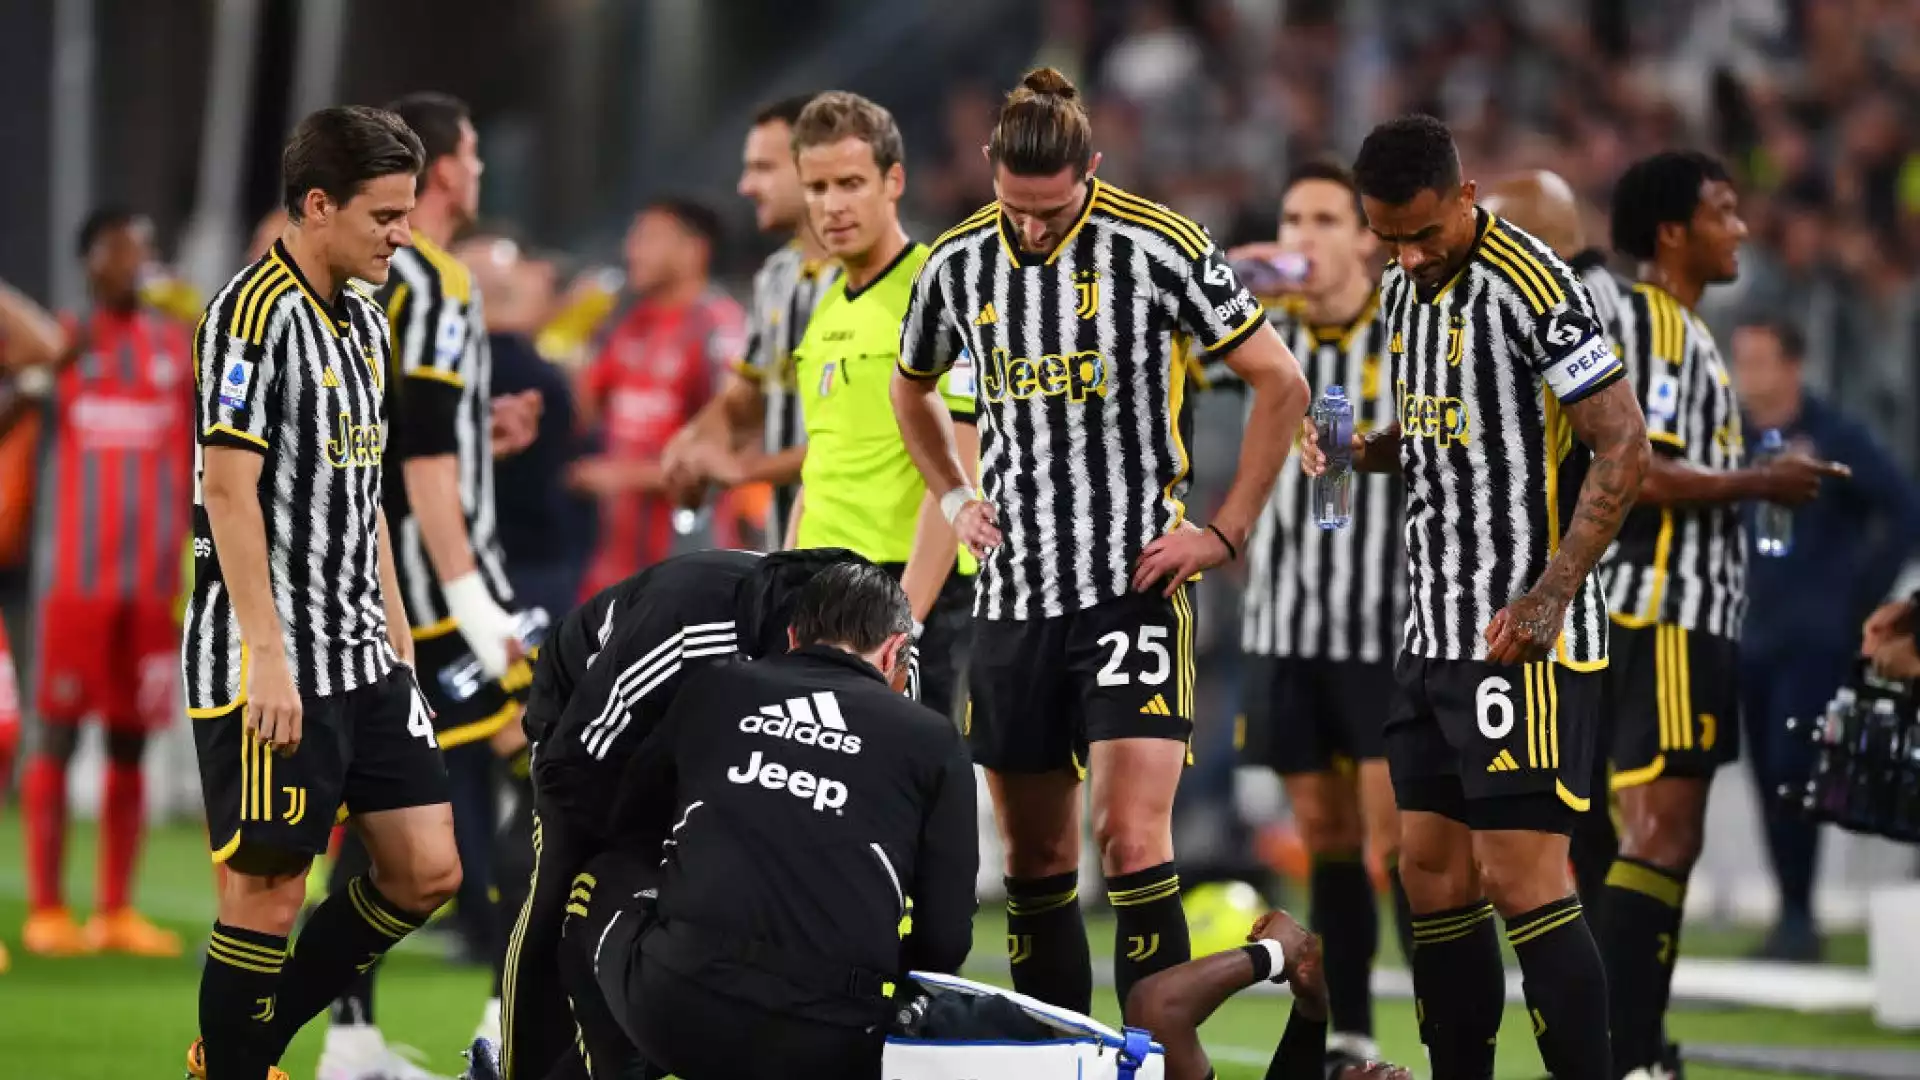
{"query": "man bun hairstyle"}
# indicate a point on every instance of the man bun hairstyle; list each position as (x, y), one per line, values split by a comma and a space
(837, 115)
(856, 605)
(341, 147)
(1043, 127)
(1406, 156)
(1656, 191)
(763, 607)
(436, 119)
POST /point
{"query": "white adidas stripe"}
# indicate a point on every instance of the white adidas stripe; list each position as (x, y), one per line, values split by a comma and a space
(647, 673)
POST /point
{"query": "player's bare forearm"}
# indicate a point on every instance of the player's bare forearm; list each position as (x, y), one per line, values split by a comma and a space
(230, 491)
(1612, 425)
(398, 630)
(1672, 481)
(1379, 451)
(1174, 1003)
(779, 468)
(33, 337)
(792, 539)
(935, 547)
(1280, 397)
(928, 430)
(741, 405)
(433, 493)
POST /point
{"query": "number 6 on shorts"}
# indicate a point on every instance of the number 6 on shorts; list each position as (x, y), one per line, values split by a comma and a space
(1494, 707)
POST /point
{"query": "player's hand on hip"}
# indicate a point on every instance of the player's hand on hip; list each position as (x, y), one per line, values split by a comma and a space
(273, 702)
(976, 526)
(1794, 477)
(1526, 630)
(1897, 658)
(1177, 556)
(1887, 622)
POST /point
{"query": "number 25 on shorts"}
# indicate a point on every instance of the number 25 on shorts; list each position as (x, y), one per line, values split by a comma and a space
(1117, 643)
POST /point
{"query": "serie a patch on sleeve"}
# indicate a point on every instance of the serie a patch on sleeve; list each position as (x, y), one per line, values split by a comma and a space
(234, 384)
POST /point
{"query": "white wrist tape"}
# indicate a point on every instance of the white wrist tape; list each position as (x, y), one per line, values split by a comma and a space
(1277, 970)
(483, 623)
(33, 382)
(918, 629)
(953, 501)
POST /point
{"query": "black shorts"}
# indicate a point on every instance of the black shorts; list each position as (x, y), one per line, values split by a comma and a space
(1675, 698)
(467, 706)
(1494, 746)
(1043, 689)
(1310, 716)
(367, 749)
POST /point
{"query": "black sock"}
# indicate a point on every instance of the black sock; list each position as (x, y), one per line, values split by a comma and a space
(1641, 931)
(238, 990)
(1149, 927)
(1348, 921)
(1047, 941)
(1566, 989)
(1402, 911)
(347, 935)
(1460, 989)
(355, 1003)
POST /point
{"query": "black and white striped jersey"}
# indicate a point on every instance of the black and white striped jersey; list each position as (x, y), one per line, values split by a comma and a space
(441, 402)
(786, 289)
(283, 374)
(1483, 369)
(1681, 565)
(1082, 359)
(1331, 594)
(1604, 287)
(609, 670)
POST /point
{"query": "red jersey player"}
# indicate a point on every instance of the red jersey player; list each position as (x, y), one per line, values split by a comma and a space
(658, 361)
(108, 574)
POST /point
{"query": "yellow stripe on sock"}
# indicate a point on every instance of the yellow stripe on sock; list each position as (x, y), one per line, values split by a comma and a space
(1041, 904)
(1647, 881)
(1522, 935)
(247, 948)
(372, 915)
(215, 951)
(1152, 893)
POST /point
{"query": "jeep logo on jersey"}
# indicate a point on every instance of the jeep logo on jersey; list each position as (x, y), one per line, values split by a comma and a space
(809, 721)
(826, 794)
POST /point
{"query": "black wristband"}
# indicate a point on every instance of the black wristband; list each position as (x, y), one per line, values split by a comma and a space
(1262, 961)
(1233, 553)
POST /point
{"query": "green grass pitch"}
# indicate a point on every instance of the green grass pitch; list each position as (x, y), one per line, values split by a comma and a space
(110, 1018)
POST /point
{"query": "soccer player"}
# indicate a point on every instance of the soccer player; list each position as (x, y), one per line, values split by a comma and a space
(861, 490)
(297, 654)
(607, 674)
(1323, 610)
(108, 576)
(1174, 1003)
(1078, 303)
(452, 576)
(1499, 366)
(654, 369)
(1676, 582)
(760, 391)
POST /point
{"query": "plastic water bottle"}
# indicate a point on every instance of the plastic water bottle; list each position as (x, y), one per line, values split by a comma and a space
(1274, 276)
(1773, 523)
(1332, 491)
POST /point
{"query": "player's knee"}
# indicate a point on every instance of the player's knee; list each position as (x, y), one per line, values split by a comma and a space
(268, 897)
(1519, 878)
(1326, 828)
(57, 741)
(1129, 846)
(1039, 857)
(126, 747)
(423, 887)
(1437, 877)
(1671, 842)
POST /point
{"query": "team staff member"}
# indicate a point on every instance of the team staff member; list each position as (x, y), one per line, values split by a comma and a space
(108, 577)
(1078, 302)
(819, 843)
(760, 396)
(296, 653)
(861, 490)
(1499, 364)
(1323, 611)
(603, 680)
(1676, 581)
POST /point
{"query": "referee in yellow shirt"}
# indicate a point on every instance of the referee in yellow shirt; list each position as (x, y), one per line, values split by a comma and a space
(859, 487)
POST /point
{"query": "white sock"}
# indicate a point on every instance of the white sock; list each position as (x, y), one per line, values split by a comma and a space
(489, 1028)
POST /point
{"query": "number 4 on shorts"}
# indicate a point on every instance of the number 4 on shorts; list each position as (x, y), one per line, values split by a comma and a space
(419, 716)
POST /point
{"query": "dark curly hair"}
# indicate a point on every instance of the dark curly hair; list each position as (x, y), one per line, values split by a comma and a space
(1658, 190)
(1406, 156)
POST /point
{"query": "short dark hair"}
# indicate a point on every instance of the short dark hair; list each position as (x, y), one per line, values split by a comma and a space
(1043, 127)
(837, 115)
(1656, 191)
(1406, 156)
(436, 119)
(102, 221)
(339, 149)
(764, 601)
(693, 215)
(1332, 172)
(1793, 340)
(785, 111)
(857, 605)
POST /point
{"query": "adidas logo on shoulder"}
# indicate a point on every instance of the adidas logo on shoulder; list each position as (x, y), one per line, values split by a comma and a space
(814, 720)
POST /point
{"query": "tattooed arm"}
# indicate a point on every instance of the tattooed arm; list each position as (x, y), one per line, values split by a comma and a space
(1611, 424)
